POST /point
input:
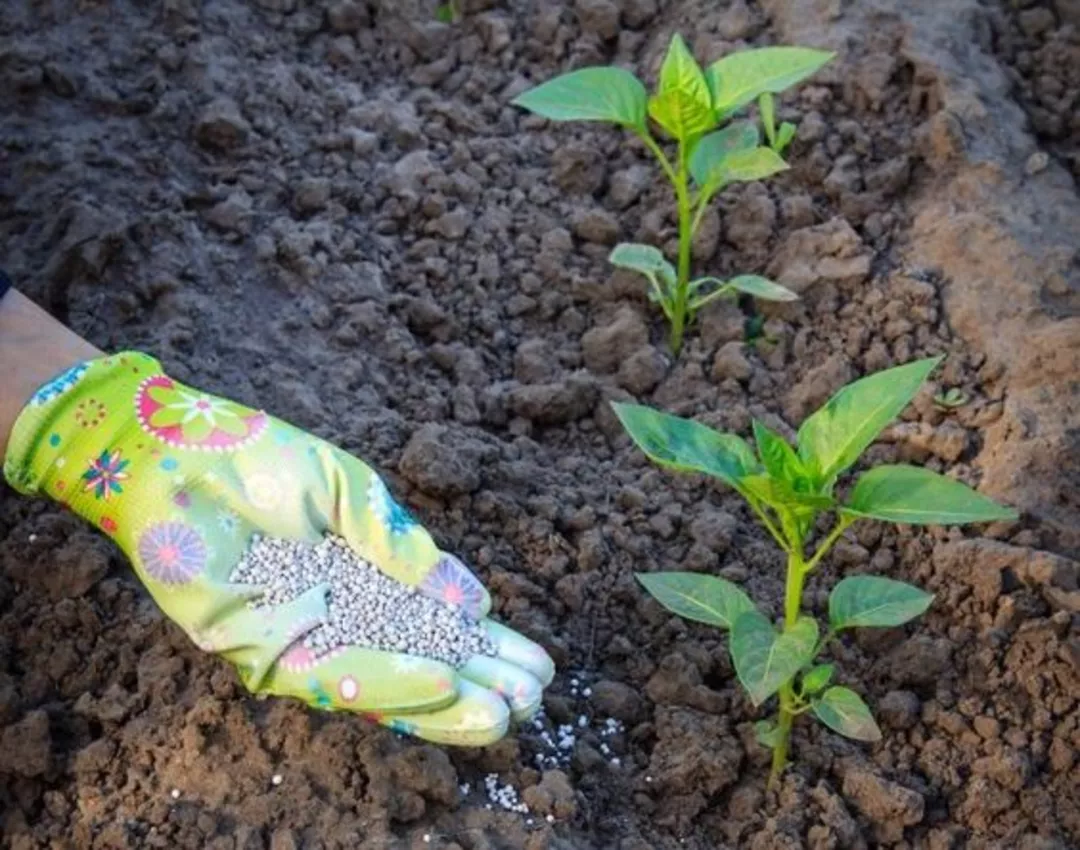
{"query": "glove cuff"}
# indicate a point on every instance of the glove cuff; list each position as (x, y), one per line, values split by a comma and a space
(68, 423)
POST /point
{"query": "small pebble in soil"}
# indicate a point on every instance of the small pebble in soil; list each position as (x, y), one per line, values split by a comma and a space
(175, 793)
(365, 607)
(275, 779)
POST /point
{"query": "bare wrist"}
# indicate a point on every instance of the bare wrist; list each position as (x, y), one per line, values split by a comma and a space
(34, 347)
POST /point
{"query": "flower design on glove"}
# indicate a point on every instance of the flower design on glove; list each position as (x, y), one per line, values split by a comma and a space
(59, 385)
(451, 582)
(105, 474)
(389, 512)
(189, 419)
(172, 552)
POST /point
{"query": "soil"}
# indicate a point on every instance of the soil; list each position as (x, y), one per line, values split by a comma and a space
(330, 211)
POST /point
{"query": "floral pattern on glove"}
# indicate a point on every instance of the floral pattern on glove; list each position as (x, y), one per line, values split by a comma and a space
(188, 419)
(172, 552)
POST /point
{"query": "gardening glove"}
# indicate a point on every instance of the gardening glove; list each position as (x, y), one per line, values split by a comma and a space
(182, 480)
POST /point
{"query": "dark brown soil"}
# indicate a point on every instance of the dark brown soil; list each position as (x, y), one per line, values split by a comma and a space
(329, 210)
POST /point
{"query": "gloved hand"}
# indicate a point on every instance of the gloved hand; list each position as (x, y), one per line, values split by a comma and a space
(181, 480)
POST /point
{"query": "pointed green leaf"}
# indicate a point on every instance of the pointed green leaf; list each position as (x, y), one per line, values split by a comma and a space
(816, 678)
(711, 168)
(681, 72)
(706, 599)
(764, 659)
(747, 165)
(685, 445)
(681, 115)
(711, 150)
(784, 136)
(916, 496)
(875, 601)
(843, 711)
(767, 733)
(833, 437)
(590, 94)
(737, 79)
(777, 455)
(683, 105)
(779, 493)
(767, 108)
(642, 258)
(761, 287)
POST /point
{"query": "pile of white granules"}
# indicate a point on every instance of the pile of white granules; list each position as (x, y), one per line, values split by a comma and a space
(366, 607)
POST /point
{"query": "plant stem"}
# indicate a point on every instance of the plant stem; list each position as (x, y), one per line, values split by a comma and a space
(686, 235)
(796, 573)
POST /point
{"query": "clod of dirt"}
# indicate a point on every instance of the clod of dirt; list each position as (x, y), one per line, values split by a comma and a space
(899, 709)
(617, 700)
(553, 795)
(555, 403)
(816, 388)
(696, 756)
(890, 806)
(26, 746)
(606, 347)
(221, 125)
(642, 370)
(825, 253)
(441, 461)
(731, 362)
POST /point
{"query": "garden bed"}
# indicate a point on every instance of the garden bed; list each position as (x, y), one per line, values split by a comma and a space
(333, 213)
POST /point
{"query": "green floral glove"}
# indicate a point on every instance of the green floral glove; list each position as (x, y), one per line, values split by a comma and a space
(181, 480)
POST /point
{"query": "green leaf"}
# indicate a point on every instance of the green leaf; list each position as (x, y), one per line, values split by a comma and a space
(590, 94)
(706, 599)
(687, 446)
(681, 115)
(875, 601)
(748, 165)
(737, 166)
(843, 711)
(816, 678)
(777, 455)
(681, 72)
(683, 105)
(761, 287)
(642, 258)
(708, 153)
(780, 493)
(767, 733)
(764, 659)
(832, 438)
(737, 79)
(784, 137)
(767, 108)
(917, 496)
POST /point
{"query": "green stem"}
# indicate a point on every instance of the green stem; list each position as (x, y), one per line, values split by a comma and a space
(768, 523)
(686, 234)
(842, 525)
(796, 573)
(783, 728)
(661, 157)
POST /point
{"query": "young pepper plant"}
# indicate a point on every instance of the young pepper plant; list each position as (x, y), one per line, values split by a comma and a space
(689, 106)
(788, 488)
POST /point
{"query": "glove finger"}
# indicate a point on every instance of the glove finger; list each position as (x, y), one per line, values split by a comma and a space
(363, 680)
(479, 717)
(520, 688)
(517, 649)
(450, 581)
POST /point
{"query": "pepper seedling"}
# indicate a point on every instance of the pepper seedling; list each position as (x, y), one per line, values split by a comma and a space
(689, 105)
(788, 488)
